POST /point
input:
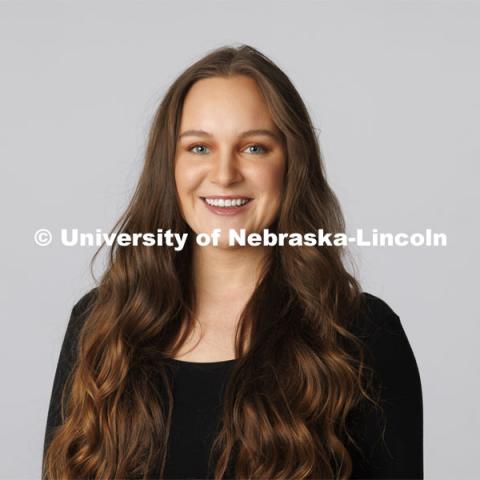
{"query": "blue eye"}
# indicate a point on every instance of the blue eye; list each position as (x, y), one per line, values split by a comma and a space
(195, 146)
(263, 149)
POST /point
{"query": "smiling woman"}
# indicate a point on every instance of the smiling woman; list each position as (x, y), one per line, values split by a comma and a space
(233, 361)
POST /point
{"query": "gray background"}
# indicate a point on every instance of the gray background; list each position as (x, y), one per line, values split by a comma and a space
(393, 87)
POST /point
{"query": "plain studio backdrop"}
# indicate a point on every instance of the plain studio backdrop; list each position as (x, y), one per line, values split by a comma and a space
(392, 88)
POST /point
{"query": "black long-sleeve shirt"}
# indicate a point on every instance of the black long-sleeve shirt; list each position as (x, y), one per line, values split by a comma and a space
(198, 388)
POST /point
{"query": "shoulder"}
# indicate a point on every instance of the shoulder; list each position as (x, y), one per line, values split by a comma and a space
(376, 319)
(378, 324)
(375, 305)
(68, 351)
(85, 302)
(66, 360)
(399, 454)
(387, 345)
(78, 316)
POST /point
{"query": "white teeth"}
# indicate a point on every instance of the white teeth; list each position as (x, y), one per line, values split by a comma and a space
(236, 202)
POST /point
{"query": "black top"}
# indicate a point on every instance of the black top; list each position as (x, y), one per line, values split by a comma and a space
(198, 388)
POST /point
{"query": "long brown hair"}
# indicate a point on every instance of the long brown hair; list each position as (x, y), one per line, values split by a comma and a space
(288, 399)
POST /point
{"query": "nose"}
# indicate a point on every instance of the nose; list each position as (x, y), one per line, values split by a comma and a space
(225, 170)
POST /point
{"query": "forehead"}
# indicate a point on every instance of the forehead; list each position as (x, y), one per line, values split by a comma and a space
(223, 104)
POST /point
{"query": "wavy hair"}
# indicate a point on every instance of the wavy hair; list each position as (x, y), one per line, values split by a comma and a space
(288, 399)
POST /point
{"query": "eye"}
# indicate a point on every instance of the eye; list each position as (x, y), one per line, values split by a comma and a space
(261, 147)
(195, 146)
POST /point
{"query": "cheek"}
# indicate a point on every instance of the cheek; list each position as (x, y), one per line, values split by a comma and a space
(186, 177)
(271, 180)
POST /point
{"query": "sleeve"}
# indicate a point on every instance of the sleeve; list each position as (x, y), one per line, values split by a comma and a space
(65, 364)
(392, 442)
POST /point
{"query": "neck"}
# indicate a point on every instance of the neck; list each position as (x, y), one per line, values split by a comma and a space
(223, 273)
(224, 280)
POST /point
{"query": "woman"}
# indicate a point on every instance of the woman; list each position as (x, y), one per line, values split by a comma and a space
(233, 361)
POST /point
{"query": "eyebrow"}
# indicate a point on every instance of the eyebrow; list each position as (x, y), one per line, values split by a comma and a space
(247, 133)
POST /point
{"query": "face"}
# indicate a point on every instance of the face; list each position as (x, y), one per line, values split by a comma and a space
(228, 151)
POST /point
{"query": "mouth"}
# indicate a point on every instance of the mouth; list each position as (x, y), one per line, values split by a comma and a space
(226, 205)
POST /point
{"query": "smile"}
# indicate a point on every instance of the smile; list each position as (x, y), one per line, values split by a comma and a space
(226, 206)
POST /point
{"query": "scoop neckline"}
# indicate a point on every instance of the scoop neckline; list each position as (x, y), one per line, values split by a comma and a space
(187, 362)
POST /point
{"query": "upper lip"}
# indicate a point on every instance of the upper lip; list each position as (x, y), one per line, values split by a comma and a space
(227, 197)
